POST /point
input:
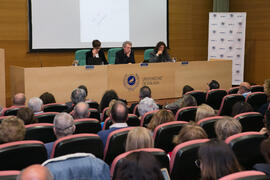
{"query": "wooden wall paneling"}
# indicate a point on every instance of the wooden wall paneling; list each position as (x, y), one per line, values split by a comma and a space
(2, 79)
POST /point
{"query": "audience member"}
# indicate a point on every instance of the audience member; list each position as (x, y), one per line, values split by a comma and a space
(35, 172)
(119, 116)
(160, 53)
(216, 159)
(47, 98)
(27, 115)
(145, 91)
(213, 85)
(85, 89)
(241, 107)
(63, 125)
(264, 107)
(139, 166)
(138, 138)
(108, 112)
(126, 55)
(147, 105)
(81, 111)
(244, 89)
(12, 129)
(162, 116)
(36, 105)
(18, 101)
(187, 101)
(204, 111)
(106, 99)
(77, 95)
(95, 52)
(227, 127)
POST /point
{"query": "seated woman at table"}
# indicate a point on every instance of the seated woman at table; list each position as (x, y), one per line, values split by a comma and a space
(160, 53)
(95, 53)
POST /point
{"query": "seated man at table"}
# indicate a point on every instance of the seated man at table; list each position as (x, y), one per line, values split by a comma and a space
(126, 55)
(96, 54)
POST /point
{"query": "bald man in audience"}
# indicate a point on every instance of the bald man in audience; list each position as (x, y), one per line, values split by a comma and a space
(18, 100)
(244, 89)
(63, 125)
(81, 111)
(35, 172)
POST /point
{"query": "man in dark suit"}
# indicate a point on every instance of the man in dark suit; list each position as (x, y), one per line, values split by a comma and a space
(95, 53)
(126, 55)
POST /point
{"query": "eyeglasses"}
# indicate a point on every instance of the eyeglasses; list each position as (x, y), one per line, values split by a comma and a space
(198, 163)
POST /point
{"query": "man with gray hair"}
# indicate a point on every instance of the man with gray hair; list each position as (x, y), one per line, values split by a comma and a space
(146, 105)
(77, 95)
(126, 55)
(63, 125)
(81, 111)
(35, 104)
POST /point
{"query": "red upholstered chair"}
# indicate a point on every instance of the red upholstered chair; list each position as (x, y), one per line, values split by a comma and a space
(182, 164)
(186, 114)
(21, 154)
(228, 102)
(87, 125)
(145, 120)
(85, 143)
(55, 107)
(12, 111)
(246, 147)
(41, 132)
(107, 123)
(159, 154)
(9, 175)
(164, 133)
(115, 144)
(251, 121)
(233, 90)
(257, 88)
(256, 99)
(246, 175)
(199, 96)
(47, 117)
(93, 104)
(214, 97)
(104, 115)
(94, 113)
(208, 124)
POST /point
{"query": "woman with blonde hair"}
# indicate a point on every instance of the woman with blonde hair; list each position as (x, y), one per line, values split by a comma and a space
(204, 111)
(138, 138)
(162, 116)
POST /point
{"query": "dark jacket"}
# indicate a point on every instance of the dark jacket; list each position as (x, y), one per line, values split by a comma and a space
(89, 57)
(160, 58)
(121, 57)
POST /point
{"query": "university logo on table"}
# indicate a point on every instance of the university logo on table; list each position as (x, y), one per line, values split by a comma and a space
(131, 81)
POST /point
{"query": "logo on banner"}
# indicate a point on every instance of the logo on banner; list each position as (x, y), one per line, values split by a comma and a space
(214, 47)
(214, 31)
(222, 56)
(222, 39)
(240, 23)
(230, 48)
(231, 15)
(222, 23)
(231, 31)
(239, 39)
(131, 81)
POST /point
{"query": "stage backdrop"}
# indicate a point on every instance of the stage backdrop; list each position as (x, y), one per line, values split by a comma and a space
(227, 41)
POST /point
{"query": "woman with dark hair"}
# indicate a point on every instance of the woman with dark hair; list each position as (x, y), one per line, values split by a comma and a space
(95, 53)
(27, 115)
(241, 107)
(106, 99)
(139, 166)
(160, 53)
(216, 160)
(47, 98)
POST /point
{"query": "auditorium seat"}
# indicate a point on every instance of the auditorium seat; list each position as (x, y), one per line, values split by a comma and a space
(103, 114)
(136, 111)
(9, 175)
(11, 111)
(47, 117)
(246, 175)
(147, 53)
(159, 154)
(256, 99)
(182, 164)
(94, 113)
(115, 144)
(80, 55)
(21, 154)
(199, 96)
(214, 97)
(41, 132)
(246, 147)
(164, 133)
(233, 90)
(186, 114)
(84, 143)
(257, 88)
(145, 120)
(55, 107)
(250, 121)
(87, 125)
(228, 102)
(208, 124)
(93, 104)
(112, 54)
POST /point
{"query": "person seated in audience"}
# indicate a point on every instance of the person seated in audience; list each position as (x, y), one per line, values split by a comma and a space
(85, 89)
(12, 129)
(63, 125)
(213, 85)
(36, 105)
(106, 99)
(35, 172)
(227, 127)
(139, 166)
(147, 105)
(138, 138)
(77, 95)
(18, 100)
(126, 55)
(81, 111)
(241, 107)
(47, 98)
(244, 89)
(27, 115)
(160, 53)
(204, 111)
(95, 52)
(162, 116)
(216, 159)
(108, 112)
(265, 106)
(119, 116)
(145, 91)
(176, 105)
